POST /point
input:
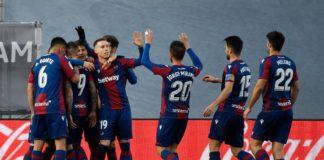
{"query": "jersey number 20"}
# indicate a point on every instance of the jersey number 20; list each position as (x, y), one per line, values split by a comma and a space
(181, 87)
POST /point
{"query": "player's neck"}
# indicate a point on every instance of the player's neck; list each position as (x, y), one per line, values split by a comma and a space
(234, 58)
(273, 53)
(176, 63)
(102, 60)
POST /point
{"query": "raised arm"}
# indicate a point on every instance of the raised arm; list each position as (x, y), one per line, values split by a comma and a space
(82, 38)
(195, 60)
(131, 76)
(146, 58)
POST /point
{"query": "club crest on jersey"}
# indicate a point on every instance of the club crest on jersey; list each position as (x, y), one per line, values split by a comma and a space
(216, 121)
(261, 121)
(160, 127)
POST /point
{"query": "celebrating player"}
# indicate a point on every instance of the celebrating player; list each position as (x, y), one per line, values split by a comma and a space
(115, 113)
(177, 82)
(228, 123)
(82, 111)
(278, 82)
(49, 121)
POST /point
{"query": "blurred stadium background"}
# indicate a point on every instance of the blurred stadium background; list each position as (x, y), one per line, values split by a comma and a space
(207, 22)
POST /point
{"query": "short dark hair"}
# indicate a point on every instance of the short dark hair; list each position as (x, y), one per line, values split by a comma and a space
(112, 40)
(235, 43)
(72, 48)
(177, 50)
(58, 41)
(98, 40)
(276, 39)
(79, 43)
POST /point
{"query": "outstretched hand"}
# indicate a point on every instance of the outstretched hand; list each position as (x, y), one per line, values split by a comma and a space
(137, 39)
(81, 32)
(212, 79)
(148, 36)
(183, 37)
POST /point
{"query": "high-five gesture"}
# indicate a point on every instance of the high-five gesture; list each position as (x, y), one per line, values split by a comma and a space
(137, 39)
(183, 37)
(148, 36)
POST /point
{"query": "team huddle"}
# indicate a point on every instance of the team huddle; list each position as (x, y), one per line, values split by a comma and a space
(76, 89)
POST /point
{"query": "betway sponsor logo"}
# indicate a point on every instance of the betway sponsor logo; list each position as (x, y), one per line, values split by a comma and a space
(42, 104)
(180, 110)
(283, 104)
(80, 106)
(108, 79)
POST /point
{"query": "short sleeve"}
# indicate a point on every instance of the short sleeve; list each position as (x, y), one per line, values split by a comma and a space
(264, 70)
(66, 67)
(230, 72)
(161, 70)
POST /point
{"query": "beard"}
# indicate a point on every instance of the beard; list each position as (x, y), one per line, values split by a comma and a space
(227, 57)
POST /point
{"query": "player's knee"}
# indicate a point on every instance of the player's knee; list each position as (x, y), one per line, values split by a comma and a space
(235, 150)
(105, 142)
(173, 148)
(159, 150)
(255, 145)
(277, 150)
(214, 145)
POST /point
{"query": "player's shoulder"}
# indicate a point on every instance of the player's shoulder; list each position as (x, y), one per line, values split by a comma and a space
(265, 59)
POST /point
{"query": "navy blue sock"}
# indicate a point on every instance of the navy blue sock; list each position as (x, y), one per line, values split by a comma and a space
(70, 155)
(126, 153)
(28, 155)
(167, 155)
(261, 155)
(176, 154)
(214, 155)
(59, 155)
(111, 153)
(48, 153)
(79, 151)
(242, 155)
(37, 155)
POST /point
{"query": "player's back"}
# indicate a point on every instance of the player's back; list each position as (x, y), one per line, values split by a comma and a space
(280, 72)
(48, 81)
(176, 91)
(241, 73)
